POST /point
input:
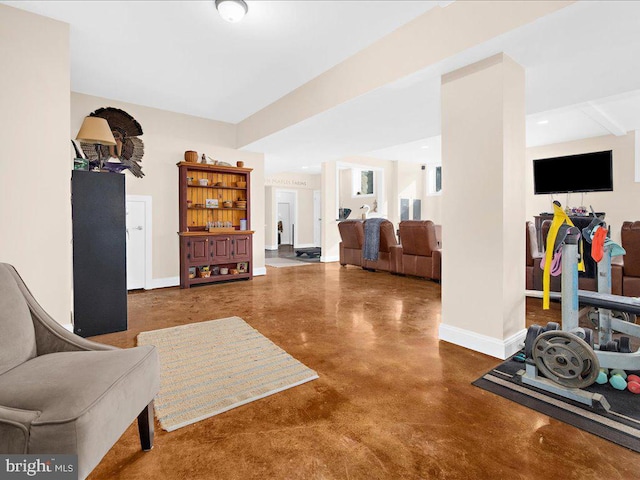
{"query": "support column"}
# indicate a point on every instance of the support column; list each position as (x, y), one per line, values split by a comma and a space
(330, 232)
(483, 206)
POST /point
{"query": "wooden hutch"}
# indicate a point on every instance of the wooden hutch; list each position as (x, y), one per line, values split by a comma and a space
(214, 204)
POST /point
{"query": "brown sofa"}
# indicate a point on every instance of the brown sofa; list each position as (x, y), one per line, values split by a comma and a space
(630, 234)
(584, 283)
(387, 241)
(533, 258)
(419, 255)
(352, 235)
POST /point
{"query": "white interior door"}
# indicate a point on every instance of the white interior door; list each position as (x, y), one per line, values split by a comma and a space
(136, 254)
(284, 216)
(317, 219)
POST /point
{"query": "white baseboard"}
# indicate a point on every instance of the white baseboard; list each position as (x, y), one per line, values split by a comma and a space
(501, 349)
(259, 271)
(271, 247)
(164, 282)
(329, 258)
(305, 245)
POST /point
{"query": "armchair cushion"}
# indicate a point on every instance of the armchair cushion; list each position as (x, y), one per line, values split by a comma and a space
(17, 339)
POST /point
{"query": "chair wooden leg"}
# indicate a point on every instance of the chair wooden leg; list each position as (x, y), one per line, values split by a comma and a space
(145, 427)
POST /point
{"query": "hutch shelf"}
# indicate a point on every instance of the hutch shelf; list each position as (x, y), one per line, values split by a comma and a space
(215, 224)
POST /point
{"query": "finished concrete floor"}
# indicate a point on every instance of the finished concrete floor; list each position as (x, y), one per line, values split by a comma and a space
(392, 402)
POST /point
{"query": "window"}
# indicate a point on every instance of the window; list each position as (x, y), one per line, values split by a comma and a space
(434, 180)
(363, 182)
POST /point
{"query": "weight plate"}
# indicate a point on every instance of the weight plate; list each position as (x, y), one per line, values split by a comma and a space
(611, 346)
(624, 316)
(588, 336)
(565, 359)
(625, 345)
(578, 332)
(532, 333)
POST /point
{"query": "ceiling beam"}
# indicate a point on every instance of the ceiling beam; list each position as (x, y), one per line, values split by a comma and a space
(428, 39)
(597, 115)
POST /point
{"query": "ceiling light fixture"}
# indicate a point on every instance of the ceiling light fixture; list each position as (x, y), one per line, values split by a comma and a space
(232, 10)
(542, 122)
(424, 146)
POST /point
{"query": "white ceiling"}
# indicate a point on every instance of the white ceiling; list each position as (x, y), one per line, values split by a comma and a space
(583, 76)
(183, 57)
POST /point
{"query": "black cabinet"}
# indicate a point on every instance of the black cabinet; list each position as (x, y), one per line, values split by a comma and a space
(99, 253)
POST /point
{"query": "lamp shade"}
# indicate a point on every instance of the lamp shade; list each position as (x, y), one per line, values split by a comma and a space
(96, 130)
(232, 10)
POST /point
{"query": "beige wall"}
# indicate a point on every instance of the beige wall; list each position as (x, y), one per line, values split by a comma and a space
(620, 205)
(387, 203)
(166, 137)
(36, 161)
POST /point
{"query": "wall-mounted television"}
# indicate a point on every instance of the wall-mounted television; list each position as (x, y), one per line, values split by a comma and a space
(587, 172)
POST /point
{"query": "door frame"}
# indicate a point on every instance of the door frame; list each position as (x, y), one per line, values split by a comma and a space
(294, 213)
(317, 217)
(148, 235)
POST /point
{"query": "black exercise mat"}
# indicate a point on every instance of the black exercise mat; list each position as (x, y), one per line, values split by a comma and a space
(620, 425)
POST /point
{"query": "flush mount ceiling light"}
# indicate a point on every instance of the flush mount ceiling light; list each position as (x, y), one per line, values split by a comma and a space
(232, 10)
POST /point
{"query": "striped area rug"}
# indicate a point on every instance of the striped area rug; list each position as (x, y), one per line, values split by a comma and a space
(210, 367)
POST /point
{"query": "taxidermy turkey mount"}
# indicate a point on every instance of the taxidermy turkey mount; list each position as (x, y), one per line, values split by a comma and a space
(127, 153)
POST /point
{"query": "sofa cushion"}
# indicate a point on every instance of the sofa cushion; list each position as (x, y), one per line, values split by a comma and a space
(76, 393)
(17, 340)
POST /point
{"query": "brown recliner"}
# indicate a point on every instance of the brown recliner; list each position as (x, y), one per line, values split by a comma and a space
(352, 234)
(387, 242)
(419, 255)
(533, 258)
(584, 283)
(630, 234)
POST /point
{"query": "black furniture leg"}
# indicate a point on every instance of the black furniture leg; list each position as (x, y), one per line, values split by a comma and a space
(145, 427)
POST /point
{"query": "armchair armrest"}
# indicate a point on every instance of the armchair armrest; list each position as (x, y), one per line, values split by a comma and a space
(52, 337)
(15, 425)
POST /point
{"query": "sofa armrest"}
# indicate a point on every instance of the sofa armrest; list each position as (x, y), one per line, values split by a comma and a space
(15, 425)
(51, 337)
(436, 262)
(396, 259)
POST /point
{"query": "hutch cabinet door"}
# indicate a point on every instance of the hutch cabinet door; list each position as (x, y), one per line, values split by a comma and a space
(221, 249)
(242, 247)
(198, 250)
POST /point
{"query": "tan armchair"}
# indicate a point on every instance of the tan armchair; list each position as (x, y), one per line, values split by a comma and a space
(352, 235)
(62, 394)
(419, 254)
(630, 234)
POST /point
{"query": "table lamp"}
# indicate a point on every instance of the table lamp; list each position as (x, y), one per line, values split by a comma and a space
(96, 130)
